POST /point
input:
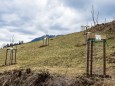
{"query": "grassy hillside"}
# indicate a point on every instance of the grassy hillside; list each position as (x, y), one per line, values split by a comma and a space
(65, 55)
(63, 52)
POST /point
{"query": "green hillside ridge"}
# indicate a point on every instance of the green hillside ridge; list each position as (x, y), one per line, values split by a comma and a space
(61, 53)
(65, 54)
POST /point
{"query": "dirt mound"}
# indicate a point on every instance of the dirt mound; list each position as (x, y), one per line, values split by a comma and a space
(28, 78)
(107, 28)
(23, 78)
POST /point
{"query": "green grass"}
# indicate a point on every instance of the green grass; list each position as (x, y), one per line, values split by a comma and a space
(65, 54)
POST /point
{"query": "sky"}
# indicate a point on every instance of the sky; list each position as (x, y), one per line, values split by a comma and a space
(25, 20)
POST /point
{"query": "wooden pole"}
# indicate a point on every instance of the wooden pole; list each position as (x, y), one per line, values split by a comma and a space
(48, 41)
(87, 58)
(11, 56)
(85, 29)
(104, 57)
(91, 58)
(15, 55)
(6, 57)
(43, 42)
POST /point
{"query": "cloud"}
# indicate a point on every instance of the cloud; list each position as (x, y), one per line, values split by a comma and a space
(28, 19)
(77, 4)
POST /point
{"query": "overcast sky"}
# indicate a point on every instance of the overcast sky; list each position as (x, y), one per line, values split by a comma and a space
(28, 19)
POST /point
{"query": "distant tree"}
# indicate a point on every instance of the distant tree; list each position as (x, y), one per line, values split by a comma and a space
(22, 42)
(11, 44)
(19, 43)
(8, 45)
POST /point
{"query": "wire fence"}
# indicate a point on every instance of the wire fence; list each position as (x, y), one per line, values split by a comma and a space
(107, 29)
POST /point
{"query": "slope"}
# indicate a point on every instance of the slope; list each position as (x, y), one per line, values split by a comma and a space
(65, 54)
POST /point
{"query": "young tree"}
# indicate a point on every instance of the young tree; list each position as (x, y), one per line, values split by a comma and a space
(95, 21)
(97, 17)
(93, 15)
(12, 41)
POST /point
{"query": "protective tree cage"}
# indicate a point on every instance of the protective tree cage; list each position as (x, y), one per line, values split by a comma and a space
(11, 56)
(46, 41)
(91, 39)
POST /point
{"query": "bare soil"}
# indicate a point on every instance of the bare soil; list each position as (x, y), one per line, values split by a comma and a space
(25, 77)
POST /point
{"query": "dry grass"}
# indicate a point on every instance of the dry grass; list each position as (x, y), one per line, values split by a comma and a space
(65, 55)
(61, 55)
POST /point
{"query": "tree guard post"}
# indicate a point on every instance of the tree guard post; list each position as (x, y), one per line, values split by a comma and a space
(12, 58)
(46, 41)
(15, 55)
(104, 57)
(6, 57)
(84, 28)
(88, 54)
(89, 60)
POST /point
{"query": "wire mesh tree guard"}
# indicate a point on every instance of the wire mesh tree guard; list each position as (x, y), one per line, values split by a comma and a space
(90, 40)
(11, 56)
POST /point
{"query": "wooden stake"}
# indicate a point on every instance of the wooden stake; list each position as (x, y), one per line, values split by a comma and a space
(104, 57)
(6, 57)
(48, 41)
(11, 56)
(43, 41)
(91, 58)
(87, 58)
(15, 55)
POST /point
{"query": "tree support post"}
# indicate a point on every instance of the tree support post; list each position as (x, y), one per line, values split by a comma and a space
(91, 59)
(104, 57)
(87, 58)
(12, 56)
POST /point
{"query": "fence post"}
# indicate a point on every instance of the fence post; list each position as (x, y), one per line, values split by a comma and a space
(91, 58)
(104, 57)
(15, 54)
(6, 57)
(12, 56)
(87, 58)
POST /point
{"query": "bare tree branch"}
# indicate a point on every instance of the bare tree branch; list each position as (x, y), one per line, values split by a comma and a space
(97, 17)
(93, 15)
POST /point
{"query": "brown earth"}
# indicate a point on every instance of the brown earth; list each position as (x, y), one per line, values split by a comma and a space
(104, 27)
(25, 77)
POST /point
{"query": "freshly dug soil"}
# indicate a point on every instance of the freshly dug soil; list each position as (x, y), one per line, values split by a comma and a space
(25, 77)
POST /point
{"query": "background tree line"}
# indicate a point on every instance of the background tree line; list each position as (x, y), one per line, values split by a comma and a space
(13, 44)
